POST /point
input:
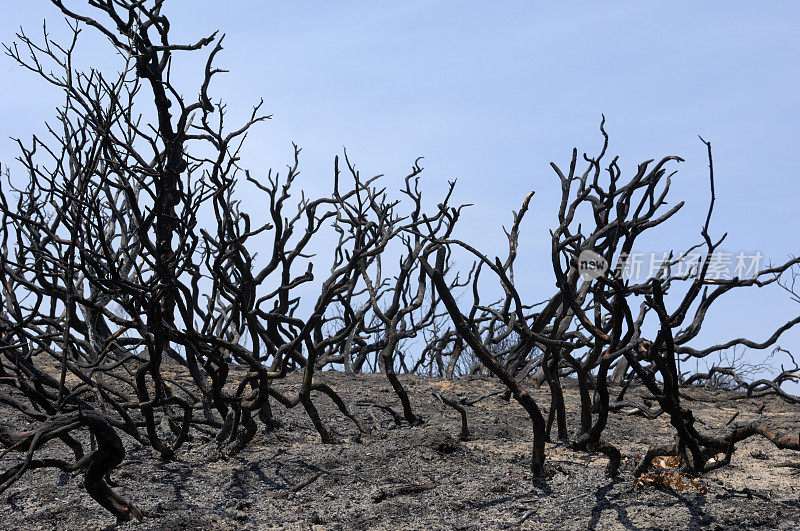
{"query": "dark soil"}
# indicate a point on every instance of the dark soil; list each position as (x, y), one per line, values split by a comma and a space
(423, 477)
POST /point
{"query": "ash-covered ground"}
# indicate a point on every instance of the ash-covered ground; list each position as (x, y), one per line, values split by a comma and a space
(423, 477)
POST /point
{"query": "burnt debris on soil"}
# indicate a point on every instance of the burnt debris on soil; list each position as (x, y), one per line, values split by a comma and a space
(424, 477)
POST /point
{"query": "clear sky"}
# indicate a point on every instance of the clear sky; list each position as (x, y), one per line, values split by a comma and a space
(491, 92)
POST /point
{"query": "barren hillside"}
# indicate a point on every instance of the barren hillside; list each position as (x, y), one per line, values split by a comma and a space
(423, 477)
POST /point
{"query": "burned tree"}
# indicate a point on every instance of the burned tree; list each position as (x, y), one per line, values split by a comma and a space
(110, 270)
(589, 326)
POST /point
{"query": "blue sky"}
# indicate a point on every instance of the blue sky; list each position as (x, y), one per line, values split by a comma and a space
(491, 92)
